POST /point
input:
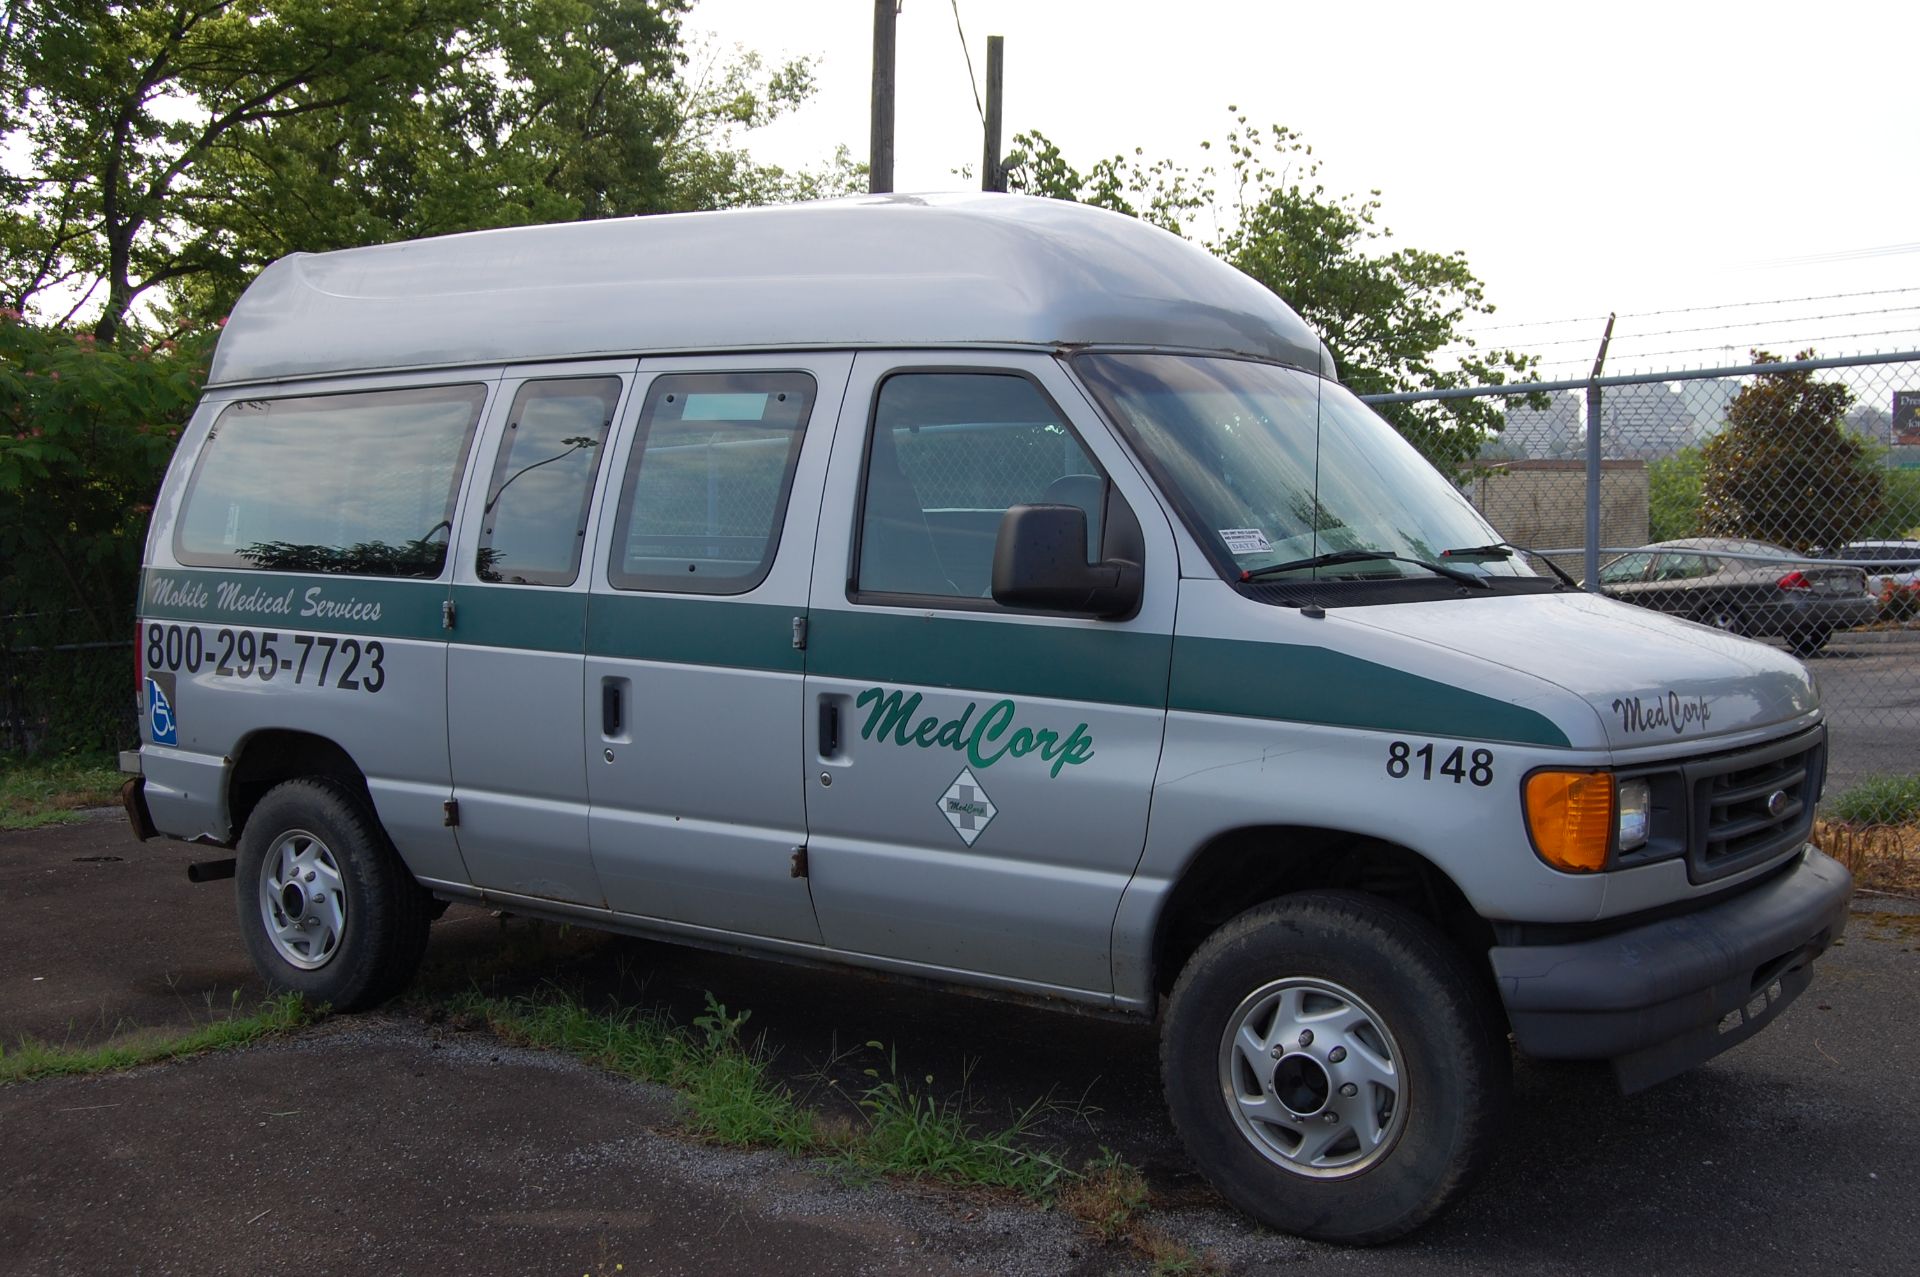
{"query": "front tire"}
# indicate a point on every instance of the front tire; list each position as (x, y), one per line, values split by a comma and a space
(1335, 1066)
(326, 907)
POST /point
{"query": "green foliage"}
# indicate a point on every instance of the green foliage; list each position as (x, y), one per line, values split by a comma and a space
(49, 791)
(1387, 313)
(28, 1060)
(911, 1133)
(1899, 517)
(86, 430)
(1878, 800)
(181, 144)
(1786, 469)
(732, 1097)
(1673, 495)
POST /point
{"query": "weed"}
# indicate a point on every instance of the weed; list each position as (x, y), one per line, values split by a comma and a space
(1108, 1196)
(49, 791)
(28, 1060)
(910, 1133)
(1878, 800)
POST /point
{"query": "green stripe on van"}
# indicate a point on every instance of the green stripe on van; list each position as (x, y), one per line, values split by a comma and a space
(640, 627)
(1316, 685)
(526, 616)
(1109, 666)
(294, 601)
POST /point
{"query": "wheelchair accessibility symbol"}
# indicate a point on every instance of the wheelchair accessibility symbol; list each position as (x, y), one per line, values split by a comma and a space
(160, 713)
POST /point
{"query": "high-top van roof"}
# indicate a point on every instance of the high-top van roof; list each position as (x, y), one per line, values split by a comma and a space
(970, 270)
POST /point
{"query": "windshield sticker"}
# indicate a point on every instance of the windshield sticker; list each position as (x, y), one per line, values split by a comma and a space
(984, 740)
(1674, 713)
(967, 807)
(1245, 540)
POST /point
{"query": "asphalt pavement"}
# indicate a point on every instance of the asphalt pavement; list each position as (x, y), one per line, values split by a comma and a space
(391, 1143)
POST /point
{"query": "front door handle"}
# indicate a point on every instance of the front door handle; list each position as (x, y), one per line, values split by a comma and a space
(610, 718)
(829, 728)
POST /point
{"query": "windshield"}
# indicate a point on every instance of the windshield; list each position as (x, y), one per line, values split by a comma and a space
(1270, 466)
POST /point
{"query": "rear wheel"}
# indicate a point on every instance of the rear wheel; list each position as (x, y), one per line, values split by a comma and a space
(326, 908)
(1725, 619)
(1810, 641)
(1335, 1066)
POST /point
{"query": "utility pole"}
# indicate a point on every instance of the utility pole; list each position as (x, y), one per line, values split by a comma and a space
(880, 149)
(992, 176)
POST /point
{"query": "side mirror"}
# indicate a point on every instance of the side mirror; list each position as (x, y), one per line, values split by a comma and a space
(1040, 562)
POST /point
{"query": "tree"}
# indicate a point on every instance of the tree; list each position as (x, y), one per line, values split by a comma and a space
(1673, 495)
(1785, 469)
(85, 434)
(179, 145)
(1392, 318)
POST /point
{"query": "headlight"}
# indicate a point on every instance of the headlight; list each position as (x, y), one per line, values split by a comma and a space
(1636, 806)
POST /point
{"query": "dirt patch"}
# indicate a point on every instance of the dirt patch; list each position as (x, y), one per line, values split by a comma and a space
(1880, 857)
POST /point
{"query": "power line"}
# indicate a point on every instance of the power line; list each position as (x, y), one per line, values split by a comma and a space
(972, 81)
(1729, 326)
(1690, 310)
(1694, 350)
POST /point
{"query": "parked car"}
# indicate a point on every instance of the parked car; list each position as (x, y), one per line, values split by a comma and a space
(1752, 588)
(1888, 564)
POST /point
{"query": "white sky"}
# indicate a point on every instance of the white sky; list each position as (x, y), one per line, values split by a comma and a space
(1627, 156)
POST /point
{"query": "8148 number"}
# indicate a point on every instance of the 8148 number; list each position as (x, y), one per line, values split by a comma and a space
(1403, 760)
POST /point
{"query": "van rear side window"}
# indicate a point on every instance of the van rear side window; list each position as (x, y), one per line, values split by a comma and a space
(535, 516)
(706, 487)
(359, 483)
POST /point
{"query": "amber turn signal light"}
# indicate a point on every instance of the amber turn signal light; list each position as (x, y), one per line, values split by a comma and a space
(1570, 815)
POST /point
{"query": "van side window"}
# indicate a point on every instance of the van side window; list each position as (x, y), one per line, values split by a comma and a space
(706, 486)
(948, 454)
(535, 519)
(361, 483)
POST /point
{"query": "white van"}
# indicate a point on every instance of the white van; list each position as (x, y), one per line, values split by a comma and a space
(983, 589)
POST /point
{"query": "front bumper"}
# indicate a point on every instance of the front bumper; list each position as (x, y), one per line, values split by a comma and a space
(1661, 997)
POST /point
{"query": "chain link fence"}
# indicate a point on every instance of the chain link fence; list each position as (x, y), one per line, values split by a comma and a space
(1777, 500)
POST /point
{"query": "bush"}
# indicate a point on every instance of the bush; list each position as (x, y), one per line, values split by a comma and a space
(85, 435)
(1878, 800)
(1899, 602)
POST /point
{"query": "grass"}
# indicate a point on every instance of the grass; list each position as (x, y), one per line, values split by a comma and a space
(1873, 828)
(1878, 800)
(50, 791)
(731, 1096)
(29, 1060)
(903, 1130)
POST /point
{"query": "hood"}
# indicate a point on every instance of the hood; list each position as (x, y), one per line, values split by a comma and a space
(1652, 679)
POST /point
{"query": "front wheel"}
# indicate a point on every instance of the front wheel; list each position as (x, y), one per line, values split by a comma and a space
(326, 908)
(1336, 1068)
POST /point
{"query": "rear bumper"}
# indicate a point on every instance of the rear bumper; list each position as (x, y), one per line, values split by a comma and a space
(1805, 615)
(1659, 998)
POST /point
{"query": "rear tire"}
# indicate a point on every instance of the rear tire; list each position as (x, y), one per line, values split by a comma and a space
(1809, 642)
(326, 907)
(1726, 620)
(1335, 1066)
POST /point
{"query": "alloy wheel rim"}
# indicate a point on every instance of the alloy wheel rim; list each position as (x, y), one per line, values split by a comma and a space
(1313, 1078)
(303, 900)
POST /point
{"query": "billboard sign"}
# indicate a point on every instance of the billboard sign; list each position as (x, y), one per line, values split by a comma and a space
(1906, 417)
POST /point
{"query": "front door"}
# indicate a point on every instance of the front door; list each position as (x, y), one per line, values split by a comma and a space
(977, 778)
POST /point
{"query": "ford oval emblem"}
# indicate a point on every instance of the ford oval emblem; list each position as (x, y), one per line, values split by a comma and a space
(1777, 803)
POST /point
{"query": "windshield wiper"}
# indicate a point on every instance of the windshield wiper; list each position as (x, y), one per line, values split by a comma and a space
(1505, 550)
(1334, 557)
